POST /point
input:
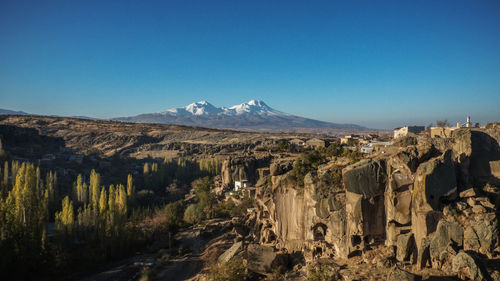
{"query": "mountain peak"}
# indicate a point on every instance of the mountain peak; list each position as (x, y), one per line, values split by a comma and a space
(252, 107)
(257, 103)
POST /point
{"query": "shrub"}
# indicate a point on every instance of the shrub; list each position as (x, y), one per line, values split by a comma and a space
(334, 149)
(173, 215)
(193, 214)
(307, 162)
(283, 146)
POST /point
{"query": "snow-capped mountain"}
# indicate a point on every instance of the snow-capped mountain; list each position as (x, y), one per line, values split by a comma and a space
(254, 115)
(197, 108)
(253, 107)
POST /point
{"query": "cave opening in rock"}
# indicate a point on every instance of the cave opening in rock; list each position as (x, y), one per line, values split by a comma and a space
(317, 252)
(319, 232)
(355, 240)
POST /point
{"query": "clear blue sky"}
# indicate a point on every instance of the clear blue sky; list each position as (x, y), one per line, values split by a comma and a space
(374, 63)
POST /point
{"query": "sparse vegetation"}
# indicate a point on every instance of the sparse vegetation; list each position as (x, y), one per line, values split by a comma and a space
(233, 270)
(324, 272)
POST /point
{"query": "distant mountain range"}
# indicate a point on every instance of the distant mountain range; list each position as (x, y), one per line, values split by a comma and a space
(254, 115)
(6, 111)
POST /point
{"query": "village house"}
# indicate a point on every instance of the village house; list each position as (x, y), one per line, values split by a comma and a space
(403, 131)
(240, 184)
(315, 143)
(350, 140)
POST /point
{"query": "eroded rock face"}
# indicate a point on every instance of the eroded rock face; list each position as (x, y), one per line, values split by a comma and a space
(303, 219)
(435, 183)
(474, 151)
(367, 178)
(364, 183)
(407, 200)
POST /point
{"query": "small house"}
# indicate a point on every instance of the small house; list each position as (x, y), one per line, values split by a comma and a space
(315, 143)
(240, 184)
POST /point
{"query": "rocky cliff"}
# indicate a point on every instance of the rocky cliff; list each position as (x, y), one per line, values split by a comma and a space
(435, 203)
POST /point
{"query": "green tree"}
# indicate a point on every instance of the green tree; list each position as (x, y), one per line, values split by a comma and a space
(130, 186)
(174, 215)
(207, 199)
(6, 174)
(95, 188)
(193, 214)
(65, 219)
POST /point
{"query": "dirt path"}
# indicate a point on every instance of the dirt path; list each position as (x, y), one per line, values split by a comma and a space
(187, 266)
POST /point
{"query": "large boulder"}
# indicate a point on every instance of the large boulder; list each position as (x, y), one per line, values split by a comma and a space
(231, 252)
(260, 258)
(423, 253)
(405, 246)
(468, 268)
(482, 235)
(447, 234)
(397, 274)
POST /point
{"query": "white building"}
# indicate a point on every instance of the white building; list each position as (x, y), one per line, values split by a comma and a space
(240, 184)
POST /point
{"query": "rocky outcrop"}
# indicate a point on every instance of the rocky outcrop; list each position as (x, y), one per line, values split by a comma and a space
(430, 201)
(279, 168)
(242, 168)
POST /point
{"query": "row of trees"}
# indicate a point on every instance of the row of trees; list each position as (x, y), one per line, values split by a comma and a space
(24, 214)
(95, 216)
(157, 176)
(91, 221)
(92, 218)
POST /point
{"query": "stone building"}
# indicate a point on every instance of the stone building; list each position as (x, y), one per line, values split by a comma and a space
(315, 143)
(403, 131)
